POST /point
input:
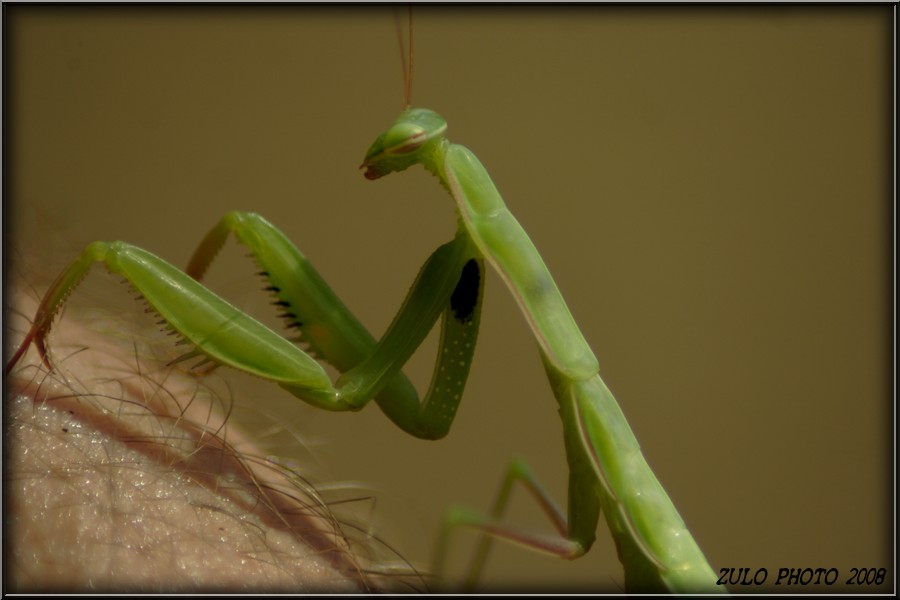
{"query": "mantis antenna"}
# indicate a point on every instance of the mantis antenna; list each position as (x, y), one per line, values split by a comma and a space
(406, 55)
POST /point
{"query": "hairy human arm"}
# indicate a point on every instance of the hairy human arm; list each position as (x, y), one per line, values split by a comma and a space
(123, 480)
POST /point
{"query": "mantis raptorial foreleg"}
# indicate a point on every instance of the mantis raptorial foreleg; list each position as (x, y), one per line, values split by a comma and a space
(449, 282)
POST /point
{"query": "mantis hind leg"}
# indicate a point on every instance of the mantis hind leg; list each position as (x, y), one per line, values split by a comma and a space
(573, 535)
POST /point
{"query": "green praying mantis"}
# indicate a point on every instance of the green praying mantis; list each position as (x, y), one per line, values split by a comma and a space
(607, 471)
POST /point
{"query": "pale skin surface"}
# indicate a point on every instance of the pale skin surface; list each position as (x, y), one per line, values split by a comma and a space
(147, 488)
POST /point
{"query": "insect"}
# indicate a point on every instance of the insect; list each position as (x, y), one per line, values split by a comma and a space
(608, 473)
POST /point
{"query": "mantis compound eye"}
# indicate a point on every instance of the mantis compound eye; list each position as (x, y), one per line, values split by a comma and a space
(405, 138)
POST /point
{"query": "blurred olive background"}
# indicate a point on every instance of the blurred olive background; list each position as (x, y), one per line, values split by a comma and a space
(709, 186)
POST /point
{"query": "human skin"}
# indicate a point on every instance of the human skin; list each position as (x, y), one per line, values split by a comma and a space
(119, 479)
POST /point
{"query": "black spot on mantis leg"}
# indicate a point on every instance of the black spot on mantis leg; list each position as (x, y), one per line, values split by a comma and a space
(465, 296)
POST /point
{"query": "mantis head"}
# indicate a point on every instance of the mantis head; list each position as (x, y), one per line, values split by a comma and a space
(413, 138)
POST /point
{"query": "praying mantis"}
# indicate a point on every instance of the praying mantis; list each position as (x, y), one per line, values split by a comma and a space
(656, 555)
